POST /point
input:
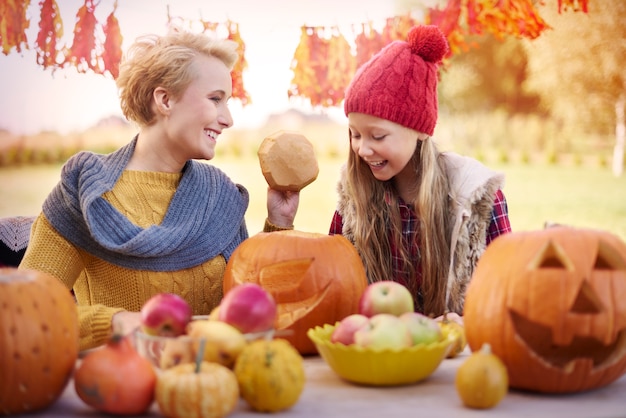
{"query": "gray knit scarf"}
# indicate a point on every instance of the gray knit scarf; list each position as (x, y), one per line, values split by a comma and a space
(204, 219)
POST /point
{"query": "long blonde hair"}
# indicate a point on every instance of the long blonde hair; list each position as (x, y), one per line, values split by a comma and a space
(378, 220)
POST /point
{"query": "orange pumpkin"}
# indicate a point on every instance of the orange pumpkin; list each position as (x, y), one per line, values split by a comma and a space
(316, 279)
(38, 340)
(552, 305)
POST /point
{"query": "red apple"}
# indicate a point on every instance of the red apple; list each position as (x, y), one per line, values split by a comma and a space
(386, 297)
(249, 308)
(384, 331)
(424, 330)
(165, 314)
(345, 329)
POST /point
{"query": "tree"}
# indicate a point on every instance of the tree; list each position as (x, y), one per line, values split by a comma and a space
(578, 68)
(489, 77)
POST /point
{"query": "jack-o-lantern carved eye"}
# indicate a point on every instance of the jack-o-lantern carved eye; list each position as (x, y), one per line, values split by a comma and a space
(551, 256)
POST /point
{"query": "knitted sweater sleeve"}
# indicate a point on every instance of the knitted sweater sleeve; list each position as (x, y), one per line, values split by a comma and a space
(49, 252)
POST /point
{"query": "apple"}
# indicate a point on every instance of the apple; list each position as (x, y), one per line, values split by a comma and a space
(386, 296)
(345, 329)
(165, 314)
(249, 308)
(222, 342)
(424, 330)
(176, 351)
(384, 331)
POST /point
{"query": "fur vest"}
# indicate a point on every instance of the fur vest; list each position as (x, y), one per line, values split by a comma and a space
(472, 190)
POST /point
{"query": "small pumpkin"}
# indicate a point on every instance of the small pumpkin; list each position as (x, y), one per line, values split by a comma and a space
(315, 279)
(482, 380)
(197, 390)
(552, 305)
(270, 374)
(38, 340)
(454, 331)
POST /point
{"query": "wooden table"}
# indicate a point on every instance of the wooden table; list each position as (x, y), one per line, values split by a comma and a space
(326, 395)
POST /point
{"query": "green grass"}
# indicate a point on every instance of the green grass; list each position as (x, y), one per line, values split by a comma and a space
(575, 195)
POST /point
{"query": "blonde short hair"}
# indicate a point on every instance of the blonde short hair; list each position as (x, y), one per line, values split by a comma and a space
(164, 61)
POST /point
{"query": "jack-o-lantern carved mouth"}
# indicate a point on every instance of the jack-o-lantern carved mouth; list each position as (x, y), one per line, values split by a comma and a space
(284, 277)
(538, 338)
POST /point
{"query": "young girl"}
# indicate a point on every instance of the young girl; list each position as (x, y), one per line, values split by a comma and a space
(148, 218)
(416, 216)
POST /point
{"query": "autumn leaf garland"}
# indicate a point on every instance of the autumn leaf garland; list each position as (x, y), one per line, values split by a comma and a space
(323, 62)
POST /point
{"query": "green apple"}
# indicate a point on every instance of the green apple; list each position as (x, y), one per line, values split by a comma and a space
(386, 297)
(384, 331)
(424, 330)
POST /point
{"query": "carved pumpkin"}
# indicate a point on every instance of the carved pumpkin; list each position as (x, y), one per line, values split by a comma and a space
(38, 340)
(552, 305)
(316, 279)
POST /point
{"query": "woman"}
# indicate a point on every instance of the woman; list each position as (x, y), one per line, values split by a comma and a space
(149, 218)
(416, 216)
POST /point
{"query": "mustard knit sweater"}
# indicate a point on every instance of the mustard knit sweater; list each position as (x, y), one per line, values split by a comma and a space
(103, 289)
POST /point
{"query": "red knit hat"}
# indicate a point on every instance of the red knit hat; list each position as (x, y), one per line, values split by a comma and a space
(399, 83)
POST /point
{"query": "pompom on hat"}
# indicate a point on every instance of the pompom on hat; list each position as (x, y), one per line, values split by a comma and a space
(399, 83)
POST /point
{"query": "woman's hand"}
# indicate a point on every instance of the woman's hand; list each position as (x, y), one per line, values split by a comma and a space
(282, 207)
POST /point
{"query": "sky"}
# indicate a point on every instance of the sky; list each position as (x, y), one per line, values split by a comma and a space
(33, 100)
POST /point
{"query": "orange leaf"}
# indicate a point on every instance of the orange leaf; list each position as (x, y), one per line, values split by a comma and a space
(13, 25)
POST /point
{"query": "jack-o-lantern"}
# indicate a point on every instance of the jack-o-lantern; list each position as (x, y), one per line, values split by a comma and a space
(552, 305)
(316, 279)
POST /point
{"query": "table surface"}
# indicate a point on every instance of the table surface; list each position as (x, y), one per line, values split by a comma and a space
(327, 395)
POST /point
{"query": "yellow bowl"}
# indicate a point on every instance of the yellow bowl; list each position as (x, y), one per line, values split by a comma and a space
(386, 367)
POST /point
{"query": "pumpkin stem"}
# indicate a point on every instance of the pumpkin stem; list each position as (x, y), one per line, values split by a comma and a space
(485, 348)
(200, 355)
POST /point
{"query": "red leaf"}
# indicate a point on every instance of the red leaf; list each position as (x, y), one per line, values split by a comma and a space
(82, 53)
(50, 31)
(239, 91)
(112, 54)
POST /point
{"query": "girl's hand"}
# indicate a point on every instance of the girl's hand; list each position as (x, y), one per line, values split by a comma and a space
(451, 317)
(282, 207)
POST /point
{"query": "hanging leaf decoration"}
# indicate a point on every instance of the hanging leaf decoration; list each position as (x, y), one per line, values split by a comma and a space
(82, 54)
(310, 67)
(13, 25)
(368, 42)
(322, 65)
(397, 28)
(576, 5)
(341, 65)
(112, 53)
(50, 30)
(239, 91)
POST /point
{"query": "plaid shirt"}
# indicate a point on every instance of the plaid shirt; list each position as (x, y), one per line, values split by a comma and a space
(499, 225)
